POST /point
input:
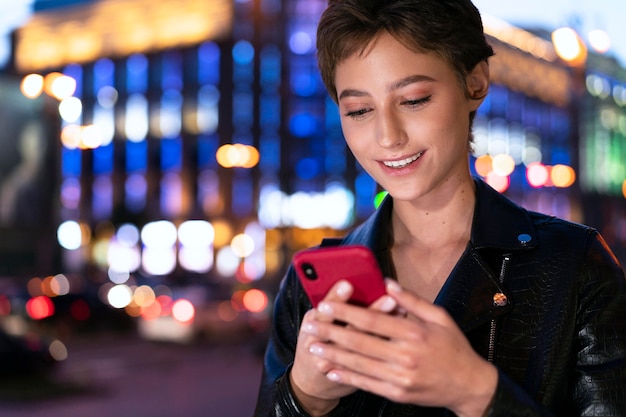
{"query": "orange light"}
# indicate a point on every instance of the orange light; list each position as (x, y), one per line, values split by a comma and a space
(624, 188)
(237, 155)
(255, 300)
(563, 176)
(483, 165)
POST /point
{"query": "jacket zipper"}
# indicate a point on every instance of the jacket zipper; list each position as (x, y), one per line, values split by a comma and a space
(492, 329)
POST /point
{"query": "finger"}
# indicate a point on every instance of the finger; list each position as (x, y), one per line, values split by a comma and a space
(416, 306)
(340, 292)
(366, 320)
(385, 304)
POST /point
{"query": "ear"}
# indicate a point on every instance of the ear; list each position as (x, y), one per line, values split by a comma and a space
(478, 84)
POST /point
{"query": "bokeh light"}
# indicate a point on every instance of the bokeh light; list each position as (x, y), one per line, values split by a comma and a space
(32, 85)
(69, 235)
(183, 311)
(40, 307)
(562, 176)
(537, 175)
(255, 300)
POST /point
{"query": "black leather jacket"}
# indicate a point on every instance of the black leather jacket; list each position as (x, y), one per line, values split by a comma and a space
(559, 342)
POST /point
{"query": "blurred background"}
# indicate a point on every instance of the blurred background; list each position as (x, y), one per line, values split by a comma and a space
(161, 161)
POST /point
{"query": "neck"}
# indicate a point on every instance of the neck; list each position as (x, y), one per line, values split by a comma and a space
(436, 220)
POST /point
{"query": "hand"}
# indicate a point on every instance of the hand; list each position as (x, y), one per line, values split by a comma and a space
(422, 358)
(315, 392)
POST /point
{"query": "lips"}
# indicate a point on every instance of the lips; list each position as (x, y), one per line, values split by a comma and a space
(401, 163)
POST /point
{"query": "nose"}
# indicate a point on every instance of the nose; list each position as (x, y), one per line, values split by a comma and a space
(390, 130)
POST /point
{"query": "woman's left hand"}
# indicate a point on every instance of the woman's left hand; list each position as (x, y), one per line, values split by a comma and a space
(422, 358)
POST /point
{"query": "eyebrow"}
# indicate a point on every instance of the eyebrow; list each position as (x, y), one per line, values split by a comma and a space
(396, 85)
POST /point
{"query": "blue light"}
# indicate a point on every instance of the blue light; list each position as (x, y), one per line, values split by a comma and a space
(301, 43)
(209, 63)
(71, 161)
(243, 52)
(171, 154)
(103, 74)
(103, 159)
(137, 74)
(136, 156)
(302, 125)
(307, 168)
(303, 83)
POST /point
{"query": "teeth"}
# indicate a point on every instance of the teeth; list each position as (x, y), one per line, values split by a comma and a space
(403, 162)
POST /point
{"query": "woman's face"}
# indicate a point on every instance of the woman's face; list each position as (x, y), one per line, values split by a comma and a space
(406, 118)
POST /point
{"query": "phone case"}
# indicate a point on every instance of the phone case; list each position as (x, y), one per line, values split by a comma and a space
(320, 268)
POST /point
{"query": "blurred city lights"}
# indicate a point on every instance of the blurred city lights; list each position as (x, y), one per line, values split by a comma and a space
(562, 176)
(58, 351)
(600, 41)
(119, 296)
(503, 165)
(59, 285)
(498, 182)
(242, 245)
(40, 307)
(227, 262)
(255, 300)
(183, 311)
(69, 235)
(237, 155)
(70, 109)
(196, 233)
(161, 234)
(537, 175)
(483, 165)
(32, 85)
(569, 46)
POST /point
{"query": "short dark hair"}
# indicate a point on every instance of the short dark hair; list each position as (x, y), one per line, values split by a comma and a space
(452, 29)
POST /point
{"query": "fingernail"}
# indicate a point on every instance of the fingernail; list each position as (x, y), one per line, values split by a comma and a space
(388, 304)
(309, 328)
(316, 350)
(333, 376)
(343, 288)
(393, 286)
(325, 308)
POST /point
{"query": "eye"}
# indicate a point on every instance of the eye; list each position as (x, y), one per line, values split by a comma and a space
(416, 103)
(357, 114)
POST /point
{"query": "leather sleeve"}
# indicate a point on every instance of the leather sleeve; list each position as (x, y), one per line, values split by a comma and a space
(275, 396)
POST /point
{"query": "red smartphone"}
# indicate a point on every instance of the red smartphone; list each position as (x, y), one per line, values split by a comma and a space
(320, 268)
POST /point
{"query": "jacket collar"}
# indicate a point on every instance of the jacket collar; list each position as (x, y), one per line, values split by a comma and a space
(498, 225)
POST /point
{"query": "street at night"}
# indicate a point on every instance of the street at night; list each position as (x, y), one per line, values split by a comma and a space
(108, 375)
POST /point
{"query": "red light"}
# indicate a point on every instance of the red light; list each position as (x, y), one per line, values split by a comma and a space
(79, 309)
(5, 306)
(39, 307)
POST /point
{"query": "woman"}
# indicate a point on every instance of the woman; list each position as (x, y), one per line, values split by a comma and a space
(490, 309)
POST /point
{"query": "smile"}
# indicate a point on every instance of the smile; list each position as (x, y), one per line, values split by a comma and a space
(402, 162)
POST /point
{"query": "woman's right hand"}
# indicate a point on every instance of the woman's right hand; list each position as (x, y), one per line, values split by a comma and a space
(315, 392)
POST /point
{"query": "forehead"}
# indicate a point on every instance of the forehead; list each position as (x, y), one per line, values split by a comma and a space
(386, 57)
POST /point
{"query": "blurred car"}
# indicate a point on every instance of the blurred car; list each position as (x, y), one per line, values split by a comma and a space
(24, 355)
